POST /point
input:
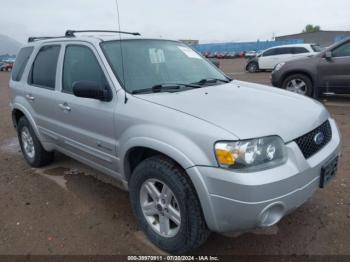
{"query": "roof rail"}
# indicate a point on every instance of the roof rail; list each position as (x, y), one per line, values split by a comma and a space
(37, 38)
(71, 33)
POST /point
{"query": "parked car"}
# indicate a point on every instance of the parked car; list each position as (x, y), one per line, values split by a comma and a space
(6, 67)
(3, 66)
(268, 59)
(215, 61)
(216, 54)
(197, 151)
(211, 54)
(206, 54)
(250, 54)
(231, 54)
(221, 55)
(324, 74)
(9, 67)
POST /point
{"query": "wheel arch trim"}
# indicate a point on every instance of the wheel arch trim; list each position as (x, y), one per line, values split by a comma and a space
(298, 72)
(26, 113)
(157, 145)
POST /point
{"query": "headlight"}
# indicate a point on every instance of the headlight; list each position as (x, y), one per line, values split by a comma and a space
(253, 154)
(279, 66)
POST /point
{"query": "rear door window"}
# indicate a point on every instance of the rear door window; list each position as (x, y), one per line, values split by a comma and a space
(299, 50)
(21, 63)
(43, 72)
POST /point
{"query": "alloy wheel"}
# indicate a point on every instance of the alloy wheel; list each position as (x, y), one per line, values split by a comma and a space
(252, 68)
(28, 143)
(297, 86)
(160, 208)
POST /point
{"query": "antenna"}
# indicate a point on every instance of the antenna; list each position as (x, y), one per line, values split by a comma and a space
(121, 50)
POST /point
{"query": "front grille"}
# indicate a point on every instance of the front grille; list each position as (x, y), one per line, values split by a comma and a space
(307, 143)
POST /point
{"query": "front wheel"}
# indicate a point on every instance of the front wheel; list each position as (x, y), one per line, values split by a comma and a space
(252, 67)
(166, 206)
(298, 83)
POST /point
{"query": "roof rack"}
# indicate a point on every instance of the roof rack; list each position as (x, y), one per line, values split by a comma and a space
(71, 33)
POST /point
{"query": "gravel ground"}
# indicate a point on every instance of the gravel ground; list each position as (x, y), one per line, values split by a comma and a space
(64, 209)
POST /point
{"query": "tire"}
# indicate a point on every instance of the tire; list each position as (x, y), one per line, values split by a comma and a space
(39, 156)
(192, 231)
(252, 67)
(298, 83)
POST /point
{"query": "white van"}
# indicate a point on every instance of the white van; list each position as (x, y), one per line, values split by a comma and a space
(268, 59)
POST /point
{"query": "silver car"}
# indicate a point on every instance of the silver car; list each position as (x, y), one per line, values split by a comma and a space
(197, 151)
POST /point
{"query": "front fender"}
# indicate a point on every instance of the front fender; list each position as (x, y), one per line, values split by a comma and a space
(171, 143)
(182, 150)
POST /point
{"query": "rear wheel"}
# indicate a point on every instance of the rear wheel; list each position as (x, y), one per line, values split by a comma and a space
(166, 205)
(298, 83)
(32, 150)
(252, 67)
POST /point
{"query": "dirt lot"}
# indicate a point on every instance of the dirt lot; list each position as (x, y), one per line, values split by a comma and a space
(62, 209)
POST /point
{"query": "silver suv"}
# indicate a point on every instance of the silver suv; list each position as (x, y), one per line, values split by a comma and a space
(197, 151)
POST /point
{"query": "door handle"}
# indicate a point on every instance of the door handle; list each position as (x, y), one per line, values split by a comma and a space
(65, 107)
(30, 97)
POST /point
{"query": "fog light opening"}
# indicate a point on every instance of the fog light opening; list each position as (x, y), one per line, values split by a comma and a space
(271, 215)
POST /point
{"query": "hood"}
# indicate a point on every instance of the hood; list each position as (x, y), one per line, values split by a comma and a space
(247, 110)
(252, 58)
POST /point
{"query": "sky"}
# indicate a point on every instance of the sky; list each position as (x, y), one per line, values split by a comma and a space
(204, 20)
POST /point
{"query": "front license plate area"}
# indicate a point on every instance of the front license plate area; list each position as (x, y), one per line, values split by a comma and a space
(328, 171)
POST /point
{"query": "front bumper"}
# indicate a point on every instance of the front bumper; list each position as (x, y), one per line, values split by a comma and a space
(276, 79)
(237, 202)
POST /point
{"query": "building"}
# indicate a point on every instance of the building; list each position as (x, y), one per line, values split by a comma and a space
(239, 47)
(322, 38)
(190, 42)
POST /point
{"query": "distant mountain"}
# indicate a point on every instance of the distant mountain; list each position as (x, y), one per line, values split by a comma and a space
(8, 45)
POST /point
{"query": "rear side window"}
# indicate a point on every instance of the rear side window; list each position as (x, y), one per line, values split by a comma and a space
(300, 50)
(43, 72)
(270, 52)
(80, 63)
(283, 51)
(21, 62)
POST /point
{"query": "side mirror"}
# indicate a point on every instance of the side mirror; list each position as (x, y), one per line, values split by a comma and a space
(328, 55)
(91, 89)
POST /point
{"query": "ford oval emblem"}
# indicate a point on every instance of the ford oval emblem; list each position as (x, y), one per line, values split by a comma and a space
(319, 138)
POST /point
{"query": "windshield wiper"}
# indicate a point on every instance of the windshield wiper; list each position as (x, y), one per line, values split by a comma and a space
(210, 81)
(167, 87)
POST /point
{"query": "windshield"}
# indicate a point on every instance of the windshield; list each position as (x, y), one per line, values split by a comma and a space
(148, 63)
